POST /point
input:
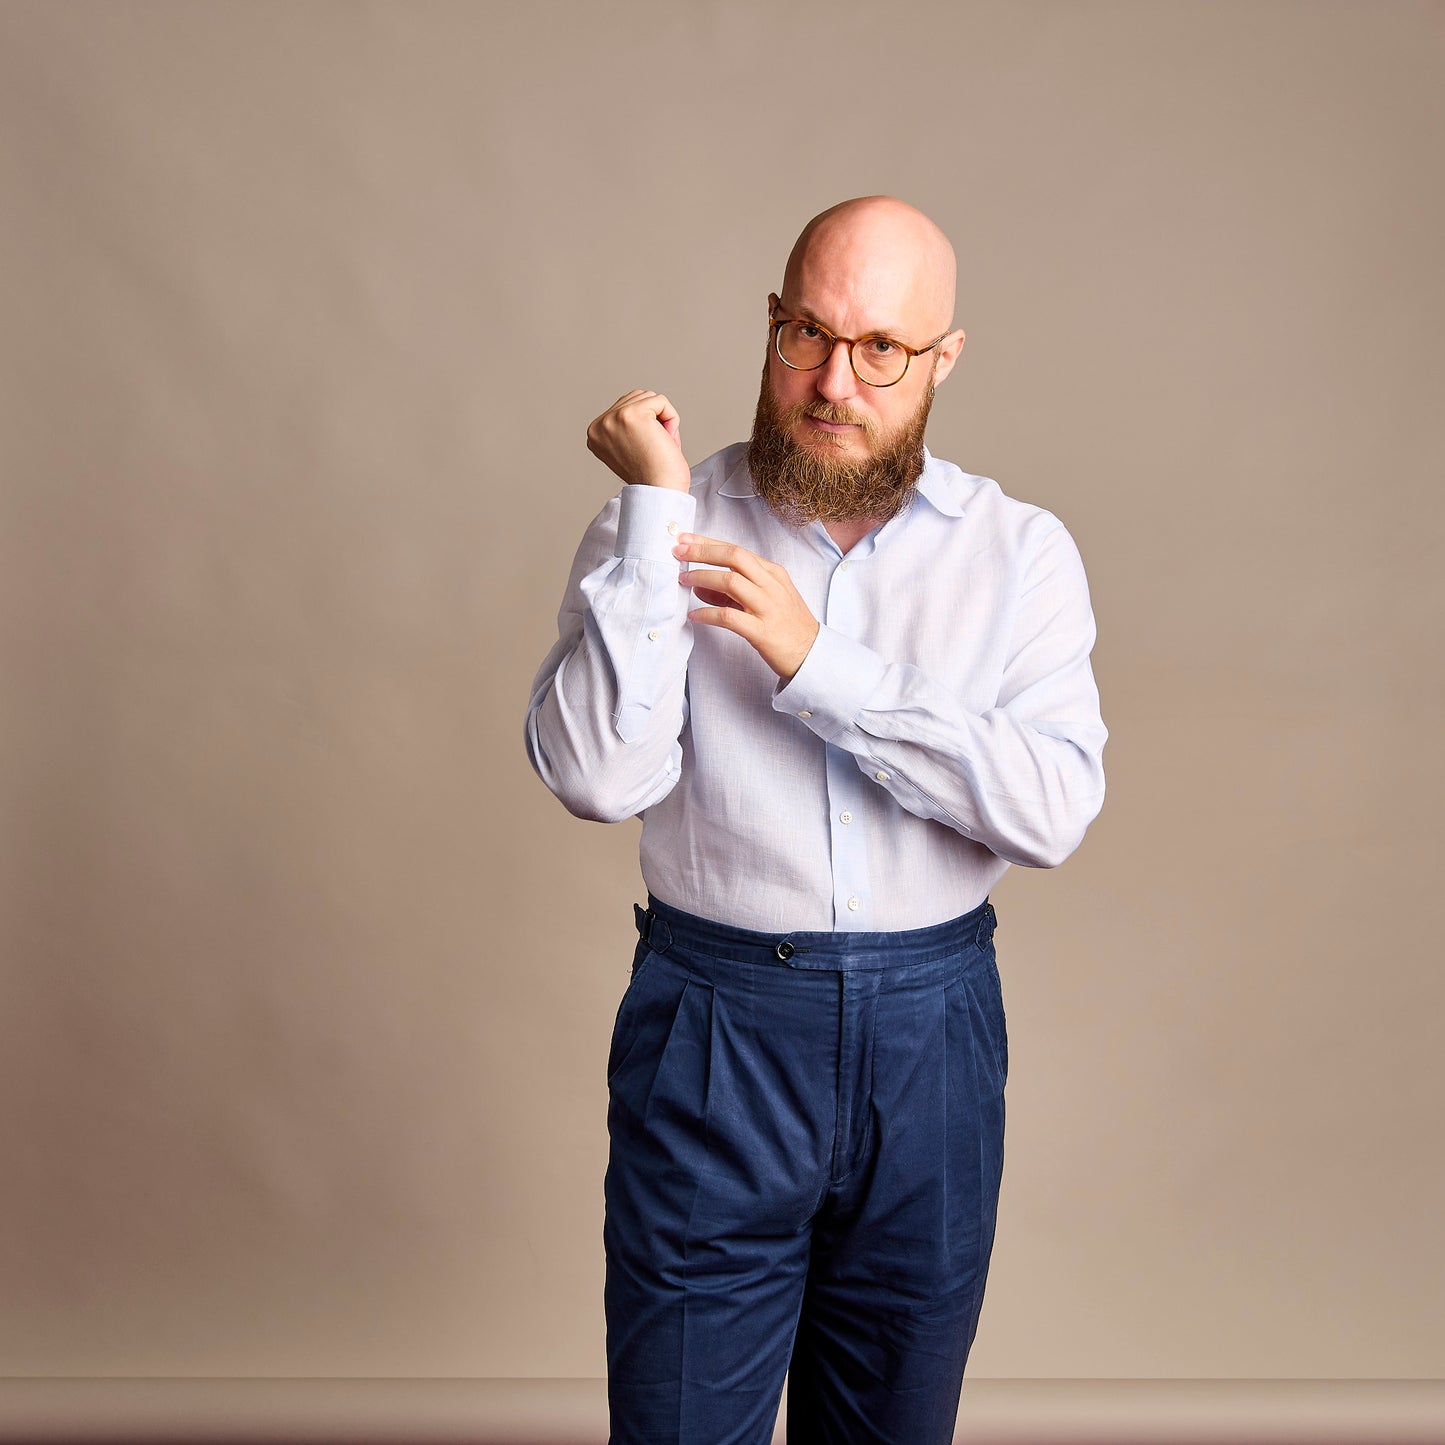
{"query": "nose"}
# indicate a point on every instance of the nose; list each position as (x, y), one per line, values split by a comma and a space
(836, 379)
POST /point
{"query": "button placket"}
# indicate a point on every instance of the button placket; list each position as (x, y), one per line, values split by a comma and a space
(845, 783)
(849, 840)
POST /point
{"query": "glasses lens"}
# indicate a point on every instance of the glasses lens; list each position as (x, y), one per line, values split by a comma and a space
(803, 345)
(879, 360)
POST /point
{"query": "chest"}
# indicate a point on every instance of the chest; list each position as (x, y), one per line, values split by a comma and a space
(935, 595)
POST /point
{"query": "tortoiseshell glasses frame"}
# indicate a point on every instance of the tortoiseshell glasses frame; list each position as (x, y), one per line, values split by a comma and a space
(778, 326)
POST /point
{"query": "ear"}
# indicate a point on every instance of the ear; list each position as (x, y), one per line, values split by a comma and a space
(774, 301)
(949, 350)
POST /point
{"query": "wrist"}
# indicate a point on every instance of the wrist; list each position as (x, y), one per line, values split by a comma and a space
(789, 670)
(668, 484)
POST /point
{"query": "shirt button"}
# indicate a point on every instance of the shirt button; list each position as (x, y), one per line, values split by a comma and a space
(881, 776)
(845, 817)
(855, 904)
(653, 635)
(844, 566)
(805, 713)
(673, 529)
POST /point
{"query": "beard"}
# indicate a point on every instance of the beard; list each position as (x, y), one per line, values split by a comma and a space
(822, 482)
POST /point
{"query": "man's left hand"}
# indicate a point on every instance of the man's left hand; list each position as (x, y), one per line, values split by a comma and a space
(753, 597)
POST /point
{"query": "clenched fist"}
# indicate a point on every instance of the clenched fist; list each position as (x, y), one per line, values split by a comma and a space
(640, 437)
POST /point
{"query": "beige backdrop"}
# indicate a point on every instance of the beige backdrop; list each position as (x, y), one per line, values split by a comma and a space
(307, 982)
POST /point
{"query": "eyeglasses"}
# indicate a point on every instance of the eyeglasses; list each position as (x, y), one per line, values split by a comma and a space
(876, 360)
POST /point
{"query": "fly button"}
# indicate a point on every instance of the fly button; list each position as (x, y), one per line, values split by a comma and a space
(785, 950)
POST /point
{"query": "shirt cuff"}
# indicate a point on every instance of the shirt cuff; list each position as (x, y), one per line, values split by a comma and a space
(650, 521)
(837, 678)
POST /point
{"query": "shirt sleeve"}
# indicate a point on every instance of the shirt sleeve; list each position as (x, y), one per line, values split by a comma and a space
(1025, 777)
(609, 701)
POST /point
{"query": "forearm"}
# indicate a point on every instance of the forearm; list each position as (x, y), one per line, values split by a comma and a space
(1024, 775)
(608, 703)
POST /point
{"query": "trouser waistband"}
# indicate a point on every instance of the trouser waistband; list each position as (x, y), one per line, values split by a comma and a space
(662, 927)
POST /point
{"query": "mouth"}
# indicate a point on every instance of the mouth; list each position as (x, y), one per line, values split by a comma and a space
(818, 426)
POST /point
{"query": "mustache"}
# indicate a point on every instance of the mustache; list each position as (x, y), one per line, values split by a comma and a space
(832, 411)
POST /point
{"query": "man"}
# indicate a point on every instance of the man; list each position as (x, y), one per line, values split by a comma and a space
(864, 692)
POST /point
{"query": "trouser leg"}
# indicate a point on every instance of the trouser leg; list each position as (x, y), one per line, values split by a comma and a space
(716, 1129)
(901, 1247)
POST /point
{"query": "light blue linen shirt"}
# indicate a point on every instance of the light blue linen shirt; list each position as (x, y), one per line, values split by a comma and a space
(944, 725)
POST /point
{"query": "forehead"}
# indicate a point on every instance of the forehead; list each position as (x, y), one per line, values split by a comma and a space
(856, 292)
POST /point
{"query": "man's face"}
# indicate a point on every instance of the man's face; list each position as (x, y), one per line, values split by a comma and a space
(828, 446)
(840, 415)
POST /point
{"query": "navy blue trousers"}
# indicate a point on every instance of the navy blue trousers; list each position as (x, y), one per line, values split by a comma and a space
(806, 1149)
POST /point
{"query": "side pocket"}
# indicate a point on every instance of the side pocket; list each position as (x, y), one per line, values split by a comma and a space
(629, 1009)
(978, 977)
(641, 957)
(1001, 1018)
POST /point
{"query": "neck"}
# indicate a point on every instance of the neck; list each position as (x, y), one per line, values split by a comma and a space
(848, 534)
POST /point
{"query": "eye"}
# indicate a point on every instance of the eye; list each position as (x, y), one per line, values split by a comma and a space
(880, 348)
(808, 331)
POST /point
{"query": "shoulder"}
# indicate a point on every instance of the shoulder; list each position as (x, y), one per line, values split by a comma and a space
(992, 517)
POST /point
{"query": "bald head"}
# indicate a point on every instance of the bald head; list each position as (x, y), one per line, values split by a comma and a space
(881, 254)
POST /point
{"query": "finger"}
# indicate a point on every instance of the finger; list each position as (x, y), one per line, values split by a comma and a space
(692, 548)
(714, 599)
(641, 394)
(728, 584)
(730, 619)
(655, 404)
(667, 414)
(604, 419)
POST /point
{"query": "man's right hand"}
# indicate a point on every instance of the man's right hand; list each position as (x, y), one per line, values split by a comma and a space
(640, 437)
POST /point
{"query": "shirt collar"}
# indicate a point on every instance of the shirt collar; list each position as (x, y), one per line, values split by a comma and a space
(933, 484)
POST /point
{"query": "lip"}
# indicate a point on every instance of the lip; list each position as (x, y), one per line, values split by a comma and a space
(836, 428)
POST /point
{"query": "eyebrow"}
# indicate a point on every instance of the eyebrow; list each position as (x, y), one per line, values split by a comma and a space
(891, 332)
